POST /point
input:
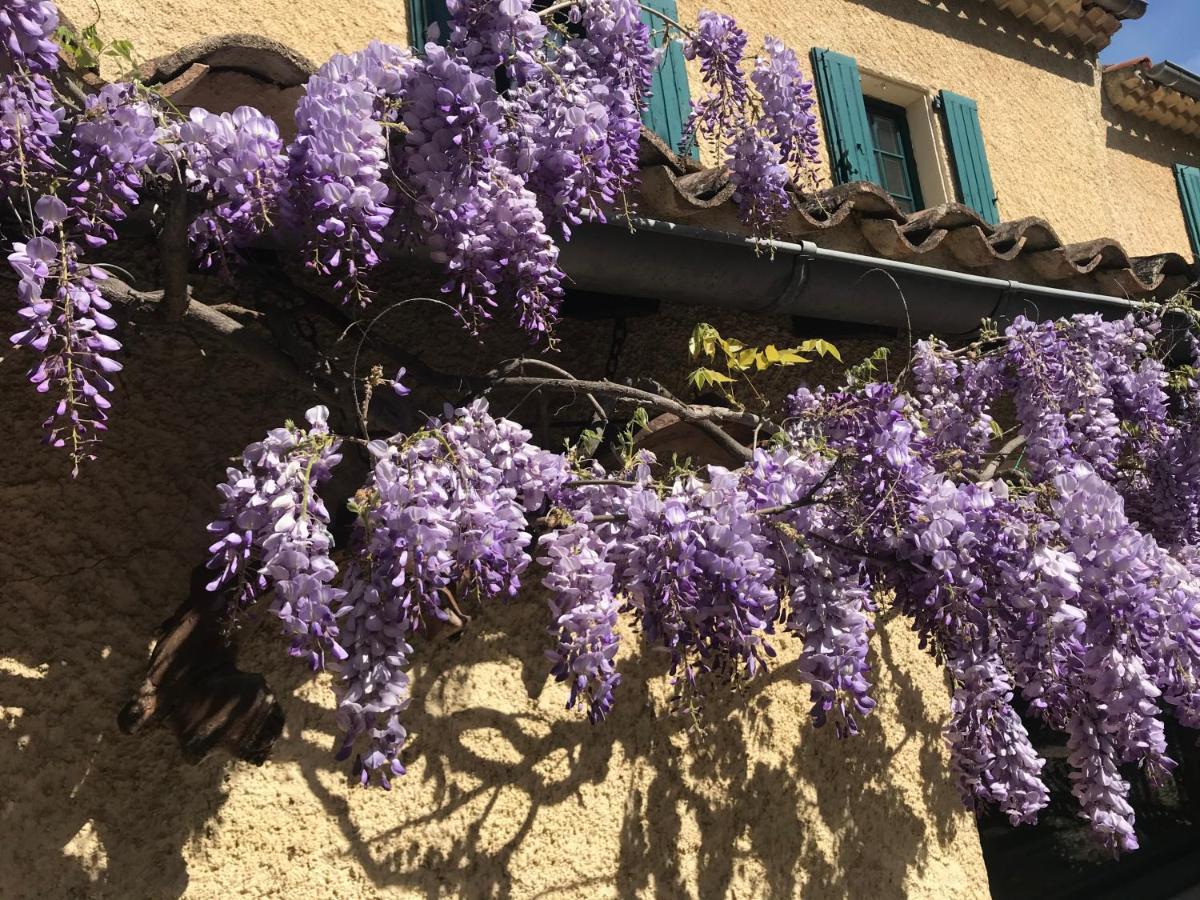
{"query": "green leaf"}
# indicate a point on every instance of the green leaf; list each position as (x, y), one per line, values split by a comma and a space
(744, 359)
(792, 358)
(821, 347)
(704, 378)
(704, 340)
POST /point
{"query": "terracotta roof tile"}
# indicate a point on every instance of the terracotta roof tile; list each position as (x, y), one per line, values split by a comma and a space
(858, 214)
(1134, 87)
(950, 236)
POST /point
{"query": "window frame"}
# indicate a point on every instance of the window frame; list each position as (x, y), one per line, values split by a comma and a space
(898, 116)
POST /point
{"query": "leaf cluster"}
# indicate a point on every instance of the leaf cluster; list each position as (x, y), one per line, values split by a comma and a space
(739, 360)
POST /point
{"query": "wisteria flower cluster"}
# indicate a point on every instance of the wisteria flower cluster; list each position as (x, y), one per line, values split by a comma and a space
(764, 125)
(274, 532)
(1061, 586)
(237, 160)
(483, 152)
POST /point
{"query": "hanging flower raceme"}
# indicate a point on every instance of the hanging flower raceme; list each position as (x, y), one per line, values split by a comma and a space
(768, 135)
(66, 323)
(31, 124)
(112, 149)
(788, 105)
(720, 45)
(584, 610)
(339, 199)
(443, 521)
(237, 161)
(272, 537)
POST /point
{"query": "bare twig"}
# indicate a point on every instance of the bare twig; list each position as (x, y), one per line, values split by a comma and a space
(868, 557)
(808, 499)
(520, 363)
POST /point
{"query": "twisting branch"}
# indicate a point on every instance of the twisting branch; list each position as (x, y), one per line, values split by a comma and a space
(517, 365)
(174, 251)
(703, 416)
(214, 321)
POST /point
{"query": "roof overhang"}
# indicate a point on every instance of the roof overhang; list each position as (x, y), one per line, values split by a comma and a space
(1163, 93)
(1090, 22)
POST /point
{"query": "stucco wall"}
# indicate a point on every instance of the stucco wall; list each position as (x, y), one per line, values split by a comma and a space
(1141, 156)
(508, 794)
(317, 29)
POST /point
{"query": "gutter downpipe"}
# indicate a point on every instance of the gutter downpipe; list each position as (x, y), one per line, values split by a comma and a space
(698, 266)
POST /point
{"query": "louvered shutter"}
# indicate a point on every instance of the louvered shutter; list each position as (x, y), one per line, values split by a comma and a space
(971, 171)
(669, 105)
(847, 131)
(1188, 179)
(422, 14)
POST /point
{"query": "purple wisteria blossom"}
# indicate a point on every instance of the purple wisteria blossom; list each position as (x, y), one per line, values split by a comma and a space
(273, 535)
(236, 161)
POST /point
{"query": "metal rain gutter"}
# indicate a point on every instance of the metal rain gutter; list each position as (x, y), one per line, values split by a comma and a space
(684, 264)
(1122, 9)
(1168, 74)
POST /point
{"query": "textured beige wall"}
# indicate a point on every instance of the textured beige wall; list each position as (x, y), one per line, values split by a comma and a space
(508, 794)
(317, 29)
(1141, 184)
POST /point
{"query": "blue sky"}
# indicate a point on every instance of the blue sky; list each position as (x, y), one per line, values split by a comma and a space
(1170, 29)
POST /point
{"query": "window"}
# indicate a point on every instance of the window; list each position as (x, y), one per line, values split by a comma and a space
(884, 131)
(894, 154)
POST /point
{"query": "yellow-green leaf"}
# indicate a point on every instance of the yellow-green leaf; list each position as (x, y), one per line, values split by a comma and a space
(821, 347)
(703, 340)
(791, 358)
(703, 378)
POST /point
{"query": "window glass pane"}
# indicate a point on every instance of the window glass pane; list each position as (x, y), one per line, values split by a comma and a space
(892, 170)
(887, 135)
(893, 155)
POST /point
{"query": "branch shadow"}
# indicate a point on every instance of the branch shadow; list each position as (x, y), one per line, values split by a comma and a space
(504, 784)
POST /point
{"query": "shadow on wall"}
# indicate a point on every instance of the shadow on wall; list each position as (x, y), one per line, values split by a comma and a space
(88, 570)
(992, 29)
(1131, 134)
(508, 793)
(507, 796)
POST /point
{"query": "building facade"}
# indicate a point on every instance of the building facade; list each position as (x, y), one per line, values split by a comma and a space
(509, 794)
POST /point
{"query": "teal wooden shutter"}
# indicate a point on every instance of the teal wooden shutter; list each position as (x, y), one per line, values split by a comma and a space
(670, 104)
(847, 131)
(1188, 179)
(422, 14)
(971, 170)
